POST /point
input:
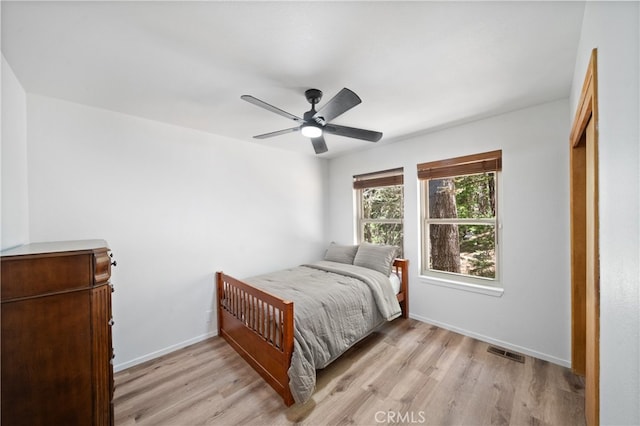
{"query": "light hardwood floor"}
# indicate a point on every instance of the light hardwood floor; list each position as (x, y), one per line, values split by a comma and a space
(408, 372)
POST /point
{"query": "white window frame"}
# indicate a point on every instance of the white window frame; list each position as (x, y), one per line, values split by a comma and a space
(460, 281)
(426, 221)
(361, 221)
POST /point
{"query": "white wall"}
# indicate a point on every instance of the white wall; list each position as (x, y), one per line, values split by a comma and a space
(15, 206)
(612, 28)
(175, 205)
(533, 314)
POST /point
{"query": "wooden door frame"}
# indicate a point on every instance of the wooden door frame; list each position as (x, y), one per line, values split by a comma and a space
(580, 234)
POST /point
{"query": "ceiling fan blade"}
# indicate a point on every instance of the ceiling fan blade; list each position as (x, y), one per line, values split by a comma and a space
(277, 133)
(319, 145)
(269, 107)
(339, 104)
(352, 132)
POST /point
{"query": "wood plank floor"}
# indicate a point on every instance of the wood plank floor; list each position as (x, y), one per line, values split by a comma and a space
(408, 372)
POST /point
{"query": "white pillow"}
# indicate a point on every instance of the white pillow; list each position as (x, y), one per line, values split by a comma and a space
(394, 279)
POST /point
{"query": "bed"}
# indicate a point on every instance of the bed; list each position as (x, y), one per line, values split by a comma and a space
(339, 301)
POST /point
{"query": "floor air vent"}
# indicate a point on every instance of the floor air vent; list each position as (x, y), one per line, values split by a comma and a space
(506, 354)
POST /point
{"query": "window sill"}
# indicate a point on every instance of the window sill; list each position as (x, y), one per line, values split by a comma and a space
(473, 288)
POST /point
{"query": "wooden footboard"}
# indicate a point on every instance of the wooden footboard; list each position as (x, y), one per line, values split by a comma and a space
(259, 325)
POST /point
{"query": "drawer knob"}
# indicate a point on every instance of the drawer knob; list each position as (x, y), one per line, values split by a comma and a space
(111, 322)
(114, 263)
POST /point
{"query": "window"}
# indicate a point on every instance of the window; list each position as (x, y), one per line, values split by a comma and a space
(380, 207)
(459, 217)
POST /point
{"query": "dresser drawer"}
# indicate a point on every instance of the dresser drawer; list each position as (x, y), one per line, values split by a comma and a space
(53, 273)
(45, 275)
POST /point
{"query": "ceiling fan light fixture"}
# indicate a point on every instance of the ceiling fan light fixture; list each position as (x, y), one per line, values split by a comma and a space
(311, 131)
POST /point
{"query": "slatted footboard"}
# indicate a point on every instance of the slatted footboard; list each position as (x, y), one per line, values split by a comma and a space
(259, 326)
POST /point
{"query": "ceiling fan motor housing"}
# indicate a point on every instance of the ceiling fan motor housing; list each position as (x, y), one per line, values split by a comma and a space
(313, 96)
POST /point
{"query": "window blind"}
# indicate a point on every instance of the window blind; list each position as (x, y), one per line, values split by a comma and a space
(466, 165)
(382, 178)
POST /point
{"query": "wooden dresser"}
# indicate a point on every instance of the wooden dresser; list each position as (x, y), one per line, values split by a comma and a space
(56, 334)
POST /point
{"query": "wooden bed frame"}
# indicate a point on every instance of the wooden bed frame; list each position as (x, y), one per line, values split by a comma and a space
(245, 320)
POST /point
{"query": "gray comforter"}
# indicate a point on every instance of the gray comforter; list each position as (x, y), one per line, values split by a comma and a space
(335, 305)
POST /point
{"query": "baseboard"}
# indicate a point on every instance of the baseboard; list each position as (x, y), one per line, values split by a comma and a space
(497, 342)
(487, 339)
(164, 351)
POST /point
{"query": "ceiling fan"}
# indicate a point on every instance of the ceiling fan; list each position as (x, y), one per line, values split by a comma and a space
(315, 123)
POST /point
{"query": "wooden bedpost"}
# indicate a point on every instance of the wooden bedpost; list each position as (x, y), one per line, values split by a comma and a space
(402, 269)
(219, 290)
(287, 337)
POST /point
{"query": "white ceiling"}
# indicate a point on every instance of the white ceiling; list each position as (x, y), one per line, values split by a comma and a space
(417, 66)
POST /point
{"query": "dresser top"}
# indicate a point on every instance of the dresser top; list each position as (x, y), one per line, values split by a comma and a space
(55, 247)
